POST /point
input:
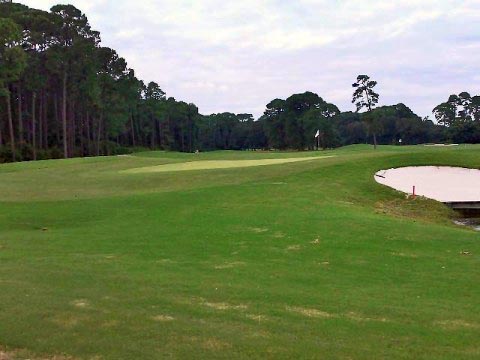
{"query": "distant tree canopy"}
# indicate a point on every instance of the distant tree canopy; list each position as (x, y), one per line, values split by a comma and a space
(292, 123)
(63, 94)
(460, 114)
(391, 124)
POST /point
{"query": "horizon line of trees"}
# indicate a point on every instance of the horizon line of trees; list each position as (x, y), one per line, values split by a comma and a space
(62, 94)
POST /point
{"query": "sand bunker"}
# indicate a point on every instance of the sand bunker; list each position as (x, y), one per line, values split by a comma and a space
(441, 183)
(217, 164)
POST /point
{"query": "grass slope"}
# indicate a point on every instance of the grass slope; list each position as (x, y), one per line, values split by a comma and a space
(301, 260)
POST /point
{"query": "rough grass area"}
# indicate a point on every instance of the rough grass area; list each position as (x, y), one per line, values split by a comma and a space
(311, 259)
(215, 164)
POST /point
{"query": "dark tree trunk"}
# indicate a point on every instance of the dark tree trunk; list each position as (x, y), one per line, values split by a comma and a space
(45, 120)
(20, 115)
(153, 132)
(372, 125)
(182, 136)
(99, 132)
(40, 123)
(71, 128)
(132, 129)
(34, 127)
(191, 137)
(88, 134)
(57, 119)
(80, 132)
(64, 116)
(10, 125)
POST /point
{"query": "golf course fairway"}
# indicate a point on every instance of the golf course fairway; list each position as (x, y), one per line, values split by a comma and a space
(294, 260)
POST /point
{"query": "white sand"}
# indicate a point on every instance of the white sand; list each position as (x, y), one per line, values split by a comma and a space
(445, 184)
(447, 145)
(217, 164)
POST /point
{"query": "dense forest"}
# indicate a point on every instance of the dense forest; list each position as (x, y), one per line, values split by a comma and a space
(62, 94)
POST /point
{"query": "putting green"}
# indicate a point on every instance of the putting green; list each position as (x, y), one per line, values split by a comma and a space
(216, 164)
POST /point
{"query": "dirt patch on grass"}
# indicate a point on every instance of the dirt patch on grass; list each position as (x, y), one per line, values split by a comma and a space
(312, 313)
(218, 305)
(5, 356)
(315, 313)
(166, 261)
(457, 325)
(230, 265)
(163, 318)
(81, 303)
(345, 202)
(401, 254)
(224, 306)
(294, 248)
(258, 230)
(357, 317)
(24, 354)
(216, 164)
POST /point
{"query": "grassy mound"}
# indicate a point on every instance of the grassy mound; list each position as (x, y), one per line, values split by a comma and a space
(301, 260)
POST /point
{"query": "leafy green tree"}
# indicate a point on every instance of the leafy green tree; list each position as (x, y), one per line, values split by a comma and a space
(72, 29)
(37, 37)
(130, 87)
(460, 115)
(154, 101)
(475, 108)
(464, 101)
(274, 124)
(286, 124)
(365, 97)
(446, 113)
(373, 121)
(351, 128)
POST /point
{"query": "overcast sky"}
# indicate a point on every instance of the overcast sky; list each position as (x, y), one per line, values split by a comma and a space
(238, 55)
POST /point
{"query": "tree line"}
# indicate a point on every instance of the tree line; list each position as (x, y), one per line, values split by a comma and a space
(63, 94)
(460, 114)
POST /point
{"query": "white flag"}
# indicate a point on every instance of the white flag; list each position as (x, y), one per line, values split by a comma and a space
(317, 134)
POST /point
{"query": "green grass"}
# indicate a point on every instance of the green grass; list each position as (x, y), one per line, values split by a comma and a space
(302, 260)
